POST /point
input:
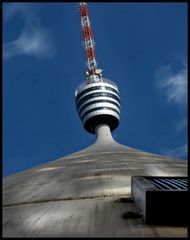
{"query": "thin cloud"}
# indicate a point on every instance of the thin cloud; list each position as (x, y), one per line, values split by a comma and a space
(34, 40)
(179, 152)
(10, 10)
(173, 85)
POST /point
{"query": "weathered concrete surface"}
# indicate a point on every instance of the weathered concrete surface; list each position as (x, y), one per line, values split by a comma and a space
(74, 195)
(99, 217)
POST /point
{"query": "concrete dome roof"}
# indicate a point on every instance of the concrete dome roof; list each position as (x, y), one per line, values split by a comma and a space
(75, 195)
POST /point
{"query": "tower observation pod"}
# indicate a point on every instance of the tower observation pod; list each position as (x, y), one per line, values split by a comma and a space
(97, 99)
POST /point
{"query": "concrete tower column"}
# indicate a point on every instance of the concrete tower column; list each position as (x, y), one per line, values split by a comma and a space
(103, 134)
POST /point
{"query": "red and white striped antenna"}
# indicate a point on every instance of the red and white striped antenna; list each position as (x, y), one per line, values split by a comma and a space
(93, 74)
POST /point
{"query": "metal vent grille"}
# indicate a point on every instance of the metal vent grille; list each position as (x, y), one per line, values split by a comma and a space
(169, 183)
(161, 199)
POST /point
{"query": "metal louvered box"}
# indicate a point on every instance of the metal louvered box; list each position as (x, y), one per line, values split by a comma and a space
(162, 200)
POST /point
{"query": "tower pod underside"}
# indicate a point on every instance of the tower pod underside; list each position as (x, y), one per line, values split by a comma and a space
(98, 103)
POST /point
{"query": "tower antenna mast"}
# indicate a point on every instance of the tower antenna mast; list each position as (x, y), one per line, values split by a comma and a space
(93, 74)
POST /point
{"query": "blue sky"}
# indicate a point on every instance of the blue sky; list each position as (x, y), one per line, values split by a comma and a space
(142, 47)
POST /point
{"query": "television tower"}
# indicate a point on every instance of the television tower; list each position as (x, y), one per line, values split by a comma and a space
(97, 99)
(89, 193)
